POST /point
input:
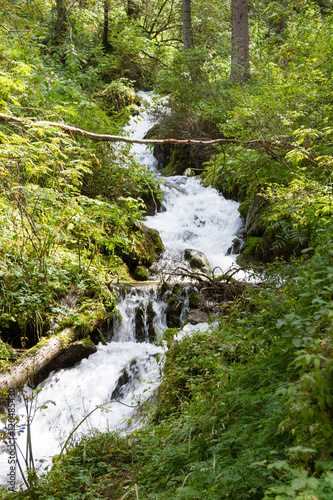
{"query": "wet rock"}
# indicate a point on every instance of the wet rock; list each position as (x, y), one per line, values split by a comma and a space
(179, 161)
(144, 323)
(140, 322)
(97, 336)
(197, 260)
(173, 312)
(251, 252)
(254, 225)
(147, 249)
(197, 316)
(153, 244)
(236, 246)
(127, 376)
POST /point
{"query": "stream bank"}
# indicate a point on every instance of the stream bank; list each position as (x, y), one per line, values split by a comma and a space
(197, 226)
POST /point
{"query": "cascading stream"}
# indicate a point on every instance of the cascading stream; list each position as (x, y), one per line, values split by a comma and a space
(193, 217)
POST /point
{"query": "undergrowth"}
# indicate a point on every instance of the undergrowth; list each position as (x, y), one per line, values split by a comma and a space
(243, 412)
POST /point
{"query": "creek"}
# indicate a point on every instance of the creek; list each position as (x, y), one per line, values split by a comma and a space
(128, 370)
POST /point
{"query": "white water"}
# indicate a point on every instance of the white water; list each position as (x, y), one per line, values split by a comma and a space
(194, 217)
(197, 218)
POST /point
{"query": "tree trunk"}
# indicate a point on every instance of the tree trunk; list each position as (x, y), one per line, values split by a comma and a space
(36, 359)
(187, 25)
(240, 66)
(61, 25)
(132, 10)
(106, 44)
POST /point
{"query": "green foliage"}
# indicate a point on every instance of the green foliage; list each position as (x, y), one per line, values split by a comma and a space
(244, 412)
(67, 209)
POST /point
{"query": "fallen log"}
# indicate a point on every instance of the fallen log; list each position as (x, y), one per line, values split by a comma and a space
(36, 359)
(118, 138)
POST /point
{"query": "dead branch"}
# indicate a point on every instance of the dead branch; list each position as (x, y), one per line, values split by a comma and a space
(28, 122)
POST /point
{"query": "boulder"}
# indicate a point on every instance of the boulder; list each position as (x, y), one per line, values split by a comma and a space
(254, 225)
(197, 260)
(236, 246)
(197, 317)
(153, 245)
(140, 273)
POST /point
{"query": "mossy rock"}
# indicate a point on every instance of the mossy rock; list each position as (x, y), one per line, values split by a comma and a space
(179, 162)
(133, 109)
(151, 316)
(254, 226)
(173, 312)
(252, 252)
(141, 273)
(98, 337)
(153, 245)
(147, 247)
(197, 260)
(140, 333)
(244, 208)
(193, 300)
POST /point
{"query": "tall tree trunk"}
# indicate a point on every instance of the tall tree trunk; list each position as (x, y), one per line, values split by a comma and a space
(105, 42)
(61, 25)
(187, 25)
(240, 66)
(132, 10)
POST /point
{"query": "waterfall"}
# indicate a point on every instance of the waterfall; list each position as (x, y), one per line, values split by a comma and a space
(127, 368)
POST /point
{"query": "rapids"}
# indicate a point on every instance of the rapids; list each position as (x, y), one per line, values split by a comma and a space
(192, 217)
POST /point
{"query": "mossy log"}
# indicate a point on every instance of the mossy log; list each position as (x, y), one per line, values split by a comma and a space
(36, 359)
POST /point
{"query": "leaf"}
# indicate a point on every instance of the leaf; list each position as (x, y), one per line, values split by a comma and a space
(280, 322)
(297, 341)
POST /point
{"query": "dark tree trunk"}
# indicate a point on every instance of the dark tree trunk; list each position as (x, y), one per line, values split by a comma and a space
(61, 25)
(106, 44)
(132, 9)
(240, 66)
(187, 25)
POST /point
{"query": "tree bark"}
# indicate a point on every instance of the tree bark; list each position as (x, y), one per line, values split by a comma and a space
(187, 25)
(61, 24)
(36, 359)
(105, 42)
(240, 66)
(132, 10)
(118, 138)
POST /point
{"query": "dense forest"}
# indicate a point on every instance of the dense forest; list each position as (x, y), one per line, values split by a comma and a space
(243, 411)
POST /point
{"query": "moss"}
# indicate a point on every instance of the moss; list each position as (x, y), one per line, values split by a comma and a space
(194, 300)
(141, 273)
(140, 334)
(244, 208)
(87, 343)
(97, 337)
(173, 311)
(119, 316)
(153, 245)
(252, 251)
(179, 162)
(150, 316)
(148, 247)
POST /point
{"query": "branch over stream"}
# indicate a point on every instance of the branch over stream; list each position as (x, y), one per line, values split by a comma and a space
(117, 138)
